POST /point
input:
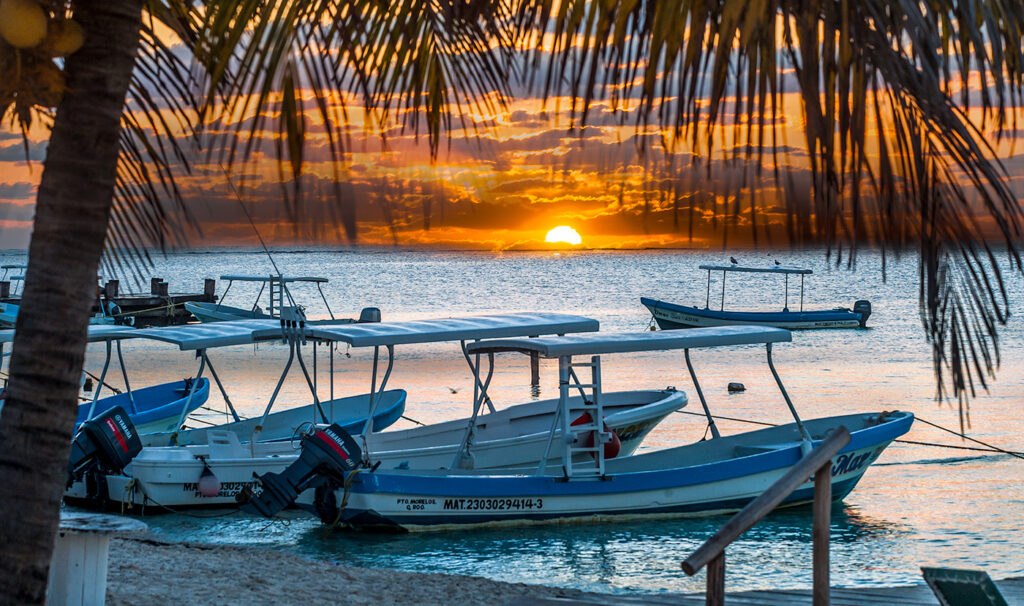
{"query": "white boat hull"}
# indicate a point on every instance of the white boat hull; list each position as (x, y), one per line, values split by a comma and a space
(515, 436)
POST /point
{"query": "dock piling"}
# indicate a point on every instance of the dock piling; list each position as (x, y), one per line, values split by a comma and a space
(210, 288)
(110, 289)
(154, 285)
(5, 289)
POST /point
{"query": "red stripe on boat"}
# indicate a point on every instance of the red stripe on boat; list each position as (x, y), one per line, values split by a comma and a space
(117, 434)
(334, 445)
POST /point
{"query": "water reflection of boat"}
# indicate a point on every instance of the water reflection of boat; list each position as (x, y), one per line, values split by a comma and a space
(673, 315)
(713, 476)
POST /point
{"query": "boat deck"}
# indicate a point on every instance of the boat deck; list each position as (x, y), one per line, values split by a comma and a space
(912, 595)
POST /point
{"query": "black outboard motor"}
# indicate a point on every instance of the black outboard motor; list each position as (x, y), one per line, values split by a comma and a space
(329, 452)
(104, 445)
(862, 307)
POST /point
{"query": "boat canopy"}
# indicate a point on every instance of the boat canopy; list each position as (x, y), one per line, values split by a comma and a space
(215, 334)
(758, 270)
(275, 279)
(97, 333)
(453, 329)
(623, 342)
(14, 266)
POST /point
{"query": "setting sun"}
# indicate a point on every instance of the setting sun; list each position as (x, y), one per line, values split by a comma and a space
(564, 233)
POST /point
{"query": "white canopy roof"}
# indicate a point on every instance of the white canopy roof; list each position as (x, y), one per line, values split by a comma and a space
(269, 278)
(622, 342)
(454, 329)
(97, 333)
(213, 334)
(240, 332)
(779, 269)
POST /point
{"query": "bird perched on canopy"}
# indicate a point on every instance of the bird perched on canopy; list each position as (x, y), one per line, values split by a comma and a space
(733, 260)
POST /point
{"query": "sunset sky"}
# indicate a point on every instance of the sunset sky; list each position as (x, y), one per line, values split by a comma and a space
(502, 189)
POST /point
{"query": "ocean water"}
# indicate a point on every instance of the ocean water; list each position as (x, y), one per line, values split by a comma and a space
(918, 505)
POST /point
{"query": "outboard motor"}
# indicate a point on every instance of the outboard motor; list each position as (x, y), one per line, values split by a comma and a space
(104, 445)
(330, 453)
(369, 314)
(862, 307)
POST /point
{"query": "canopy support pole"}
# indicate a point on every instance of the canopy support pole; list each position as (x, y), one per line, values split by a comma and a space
(785, 306)
(277, 388)
(310, 383)
(801, 292)
(326, 304)
(330, 345)
(477, 383)
(124, 374)
(806, 445)
(99, 386)
(223, 392)
(723, 291)
(188, 401)
(256, 303)
(376, 394)
(225, 295)
(707, 301)
(564, 371)
(314, 367)
(700, 394)
(479, 397)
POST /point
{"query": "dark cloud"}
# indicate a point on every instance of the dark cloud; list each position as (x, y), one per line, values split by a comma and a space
(17, 191)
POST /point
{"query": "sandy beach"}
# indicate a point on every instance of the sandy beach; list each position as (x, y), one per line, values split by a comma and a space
(148, 571)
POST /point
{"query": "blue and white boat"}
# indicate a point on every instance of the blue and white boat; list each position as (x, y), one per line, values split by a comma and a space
(516, 435)
(151, 409)
(672, 315)
(278, 297)
(712, 476)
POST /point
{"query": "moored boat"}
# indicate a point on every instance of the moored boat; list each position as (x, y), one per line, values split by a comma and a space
(279, 298)
(672, 315)
(711, 476)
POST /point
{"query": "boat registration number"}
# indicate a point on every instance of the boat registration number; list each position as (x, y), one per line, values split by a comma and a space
(492, 504)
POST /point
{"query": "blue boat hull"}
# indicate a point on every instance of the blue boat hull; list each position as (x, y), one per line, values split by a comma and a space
(706, 478)
(151, 409)
(671, 316)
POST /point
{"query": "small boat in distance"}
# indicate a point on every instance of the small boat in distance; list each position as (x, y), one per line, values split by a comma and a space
(673, 315)
(279, 298)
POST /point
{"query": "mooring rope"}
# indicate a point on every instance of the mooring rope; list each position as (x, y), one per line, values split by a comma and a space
(988, 447)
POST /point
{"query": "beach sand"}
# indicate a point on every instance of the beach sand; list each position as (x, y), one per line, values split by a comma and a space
(148, 571)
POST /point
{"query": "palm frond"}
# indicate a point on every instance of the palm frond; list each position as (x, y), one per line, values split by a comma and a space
(893, 160)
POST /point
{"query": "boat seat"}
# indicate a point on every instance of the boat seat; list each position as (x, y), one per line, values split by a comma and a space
(224, 444)
(746, 450)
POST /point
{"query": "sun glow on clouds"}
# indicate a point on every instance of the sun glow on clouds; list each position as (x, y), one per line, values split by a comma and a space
(564, 233)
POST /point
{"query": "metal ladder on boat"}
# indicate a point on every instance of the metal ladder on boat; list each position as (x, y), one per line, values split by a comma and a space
(276, 295)
(576, 436)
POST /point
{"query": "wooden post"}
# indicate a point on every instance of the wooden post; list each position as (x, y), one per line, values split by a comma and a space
(822, 520)
(715, 595)
(154, 286)
(5, 289)
(110, 289)
(534, 369)
(161, 289)
(210, 289)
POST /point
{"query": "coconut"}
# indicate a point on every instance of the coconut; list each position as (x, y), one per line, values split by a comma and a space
(22, 23)
(64, 38)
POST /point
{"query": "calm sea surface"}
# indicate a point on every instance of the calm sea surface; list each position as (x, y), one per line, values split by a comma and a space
(918, 505)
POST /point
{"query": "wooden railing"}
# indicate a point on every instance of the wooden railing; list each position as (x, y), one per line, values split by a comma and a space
(818, 462)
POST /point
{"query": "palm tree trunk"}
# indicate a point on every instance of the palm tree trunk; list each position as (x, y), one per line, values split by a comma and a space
(72, 209)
